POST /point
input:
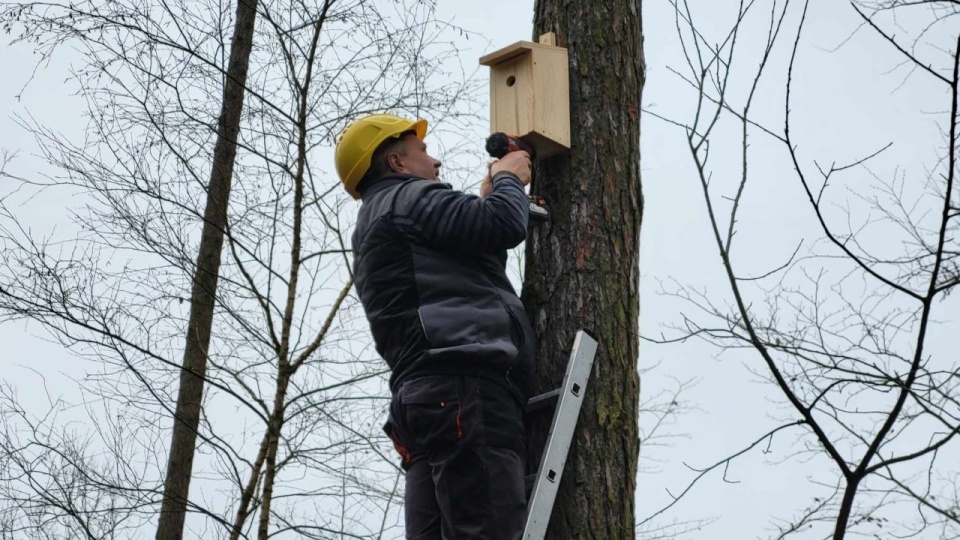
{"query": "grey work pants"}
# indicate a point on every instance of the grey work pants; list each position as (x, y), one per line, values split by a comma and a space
(462, 443)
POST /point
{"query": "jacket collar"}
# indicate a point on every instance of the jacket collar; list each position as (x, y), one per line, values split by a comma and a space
(384, 183)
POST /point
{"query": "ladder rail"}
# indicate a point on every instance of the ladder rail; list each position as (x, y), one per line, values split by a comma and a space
(560, 437)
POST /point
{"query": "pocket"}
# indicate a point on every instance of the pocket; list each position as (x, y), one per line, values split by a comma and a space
(432, 411)
(449, 324)
(522, 329)
(501, 416)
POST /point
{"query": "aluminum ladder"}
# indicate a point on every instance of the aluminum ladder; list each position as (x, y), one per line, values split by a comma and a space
(569, 398)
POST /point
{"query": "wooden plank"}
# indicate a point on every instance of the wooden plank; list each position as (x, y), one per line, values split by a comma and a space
(551, 111)
(516, 49)
(503, 98)
(526, 94)
(550, 38)
(506, 53)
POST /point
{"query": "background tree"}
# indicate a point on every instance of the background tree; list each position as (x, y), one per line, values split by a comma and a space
(288, 440)
(186, 425)
(582, 270)
(844, 324)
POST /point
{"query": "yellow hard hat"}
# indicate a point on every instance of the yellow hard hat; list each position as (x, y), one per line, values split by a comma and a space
(357, 143)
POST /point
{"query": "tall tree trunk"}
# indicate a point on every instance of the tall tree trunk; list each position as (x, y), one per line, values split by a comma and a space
(203, 297)
(582, 269)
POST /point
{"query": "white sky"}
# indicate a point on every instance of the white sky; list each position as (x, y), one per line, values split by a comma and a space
(852, 103)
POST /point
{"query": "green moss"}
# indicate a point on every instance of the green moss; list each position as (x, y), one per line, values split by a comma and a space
(582, 65)
(610, 415)
(601, 414)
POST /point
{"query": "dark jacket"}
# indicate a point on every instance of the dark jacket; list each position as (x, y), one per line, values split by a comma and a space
(430, 269)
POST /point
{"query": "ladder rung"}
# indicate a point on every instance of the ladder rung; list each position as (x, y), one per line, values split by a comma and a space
(528, 481)
(544, 400)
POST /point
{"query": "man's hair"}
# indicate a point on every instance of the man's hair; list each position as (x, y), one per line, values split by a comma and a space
(379, 164)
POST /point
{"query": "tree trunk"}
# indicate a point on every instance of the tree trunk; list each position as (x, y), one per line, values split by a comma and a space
(203, 297)
(846, 507)
(582, 269)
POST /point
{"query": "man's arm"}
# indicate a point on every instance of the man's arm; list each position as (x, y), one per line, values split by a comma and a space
(449, 220)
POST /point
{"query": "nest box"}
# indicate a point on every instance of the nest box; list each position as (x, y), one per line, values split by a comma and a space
(530, 94)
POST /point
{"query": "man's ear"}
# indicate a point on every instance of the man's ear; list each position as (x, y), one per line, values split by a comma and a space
(395, 161)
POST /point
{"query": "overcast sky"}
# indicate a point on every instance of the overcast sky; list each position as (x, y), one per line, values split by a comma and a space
(852, 99)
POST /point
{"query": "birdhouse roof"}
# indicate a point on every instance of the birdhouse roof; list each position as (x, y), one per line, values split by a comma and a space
(511, 51)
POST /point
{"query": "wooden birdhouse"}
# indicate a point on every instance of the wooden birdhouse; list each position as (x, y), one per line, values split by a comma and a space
(530, 94)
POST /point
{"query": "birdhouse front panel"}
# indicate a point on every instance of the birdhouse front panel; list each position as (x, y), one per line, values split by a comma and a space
(511, 96)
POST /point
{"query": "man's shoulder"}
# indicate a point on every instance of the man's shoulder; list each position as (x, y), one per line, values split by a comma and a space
(417, 192)
(401, 185)
(422, 184)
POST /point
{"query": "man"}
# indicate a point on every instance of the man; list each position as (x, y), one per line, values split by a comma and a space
(429, 265)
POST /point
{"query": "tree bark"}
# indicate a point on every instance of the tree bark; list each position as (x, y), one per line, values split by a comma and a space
(203, 296)
(582, 269)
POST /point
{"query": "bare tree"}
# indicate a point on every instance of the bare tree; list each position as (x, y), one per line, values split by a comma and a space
(288, 440)
(842, 328)
(660, 415)
(67, 483)
(186, 425)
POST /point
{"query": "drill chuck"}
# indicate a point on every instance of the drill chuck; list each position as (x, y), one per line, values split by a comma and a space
(500, 144)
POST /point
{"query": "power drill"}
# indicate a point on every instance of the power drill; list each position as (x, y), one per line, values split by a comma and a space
(500, 144)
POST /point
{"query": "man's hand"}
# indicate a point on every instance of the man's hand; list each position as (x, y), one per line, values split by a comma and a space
(517, 163)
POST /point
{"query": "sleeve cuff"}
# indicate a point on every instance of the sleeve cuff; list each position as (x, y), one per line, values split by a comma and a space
(503, 175)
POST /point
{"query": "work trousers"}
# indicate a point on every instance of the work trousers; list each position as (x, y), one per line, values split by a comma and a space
(462, 444)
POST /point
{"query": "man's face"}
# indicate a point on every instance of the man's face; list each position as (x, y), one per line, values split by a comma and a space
(415, 160)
